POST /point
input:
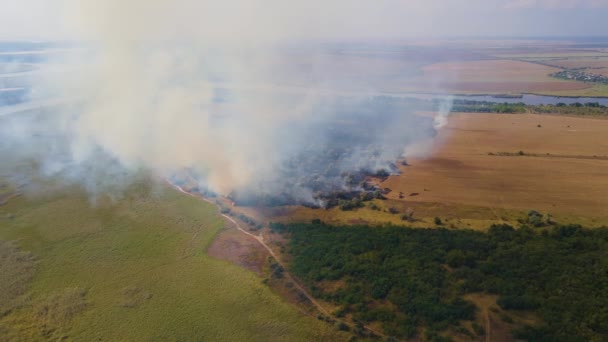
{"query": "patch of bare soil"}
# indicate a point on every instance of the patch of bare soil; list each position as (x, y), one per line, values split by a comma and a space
(240, 249)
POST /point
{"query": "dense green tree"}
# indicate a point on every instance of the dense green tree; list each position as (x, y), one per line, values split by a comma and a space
(560, 272)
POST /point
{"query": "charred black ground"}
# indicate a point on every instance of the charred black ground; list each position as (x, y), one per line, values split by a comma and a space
(342, 158)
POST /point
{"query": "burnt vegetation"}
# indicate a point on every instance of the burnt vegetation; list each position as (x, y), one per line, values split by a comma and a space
(335, 164)
(412, 281)
(339, 162)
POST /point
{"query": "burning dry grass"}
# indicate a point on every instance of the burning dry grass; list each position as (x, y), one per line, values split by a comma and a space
(467, 184)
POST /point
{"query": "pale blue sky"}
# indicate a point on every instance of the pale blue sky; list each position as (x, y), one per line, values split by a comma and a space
(40, 19)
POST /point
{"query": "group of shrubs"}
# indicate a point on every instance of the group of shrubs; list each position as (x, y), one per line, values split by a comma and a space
(276, 270)
(537, 219)
(359, 201)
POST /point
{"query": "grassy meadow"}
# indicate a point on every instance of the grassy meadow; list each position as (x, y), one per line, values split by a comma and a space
(131, 269)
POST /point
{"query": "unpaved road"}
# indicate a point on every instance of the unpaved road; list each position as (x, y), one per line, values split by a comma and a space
(260, 240)
(286, 274)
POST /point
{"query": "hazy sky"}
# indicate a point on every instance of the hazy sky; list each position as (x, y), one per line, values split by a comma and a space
(321, 18)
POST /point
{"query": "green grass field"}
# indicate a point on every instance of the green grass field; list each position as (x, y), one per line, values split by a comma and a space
(130, 270)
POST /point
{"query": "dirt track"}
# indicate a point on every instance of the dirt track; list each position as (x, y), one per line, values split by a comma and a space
(286, 274)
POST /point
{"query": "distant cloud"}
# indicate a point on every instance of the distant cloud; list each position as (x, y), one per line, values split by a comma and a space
(555, 4)
(294, 19)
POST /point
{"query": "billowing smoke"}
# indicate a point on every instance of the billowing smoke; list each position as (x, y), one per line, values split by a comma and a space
(244, 97)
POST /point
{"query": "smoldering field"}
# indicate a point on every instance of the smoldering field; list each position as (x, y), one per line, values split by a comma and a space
(188, 116)
(204, 92)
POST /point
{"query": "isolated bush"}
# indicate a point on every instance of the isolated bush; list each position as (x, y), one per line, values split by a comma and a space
(342, 326)
(535, 218)
(351, 205)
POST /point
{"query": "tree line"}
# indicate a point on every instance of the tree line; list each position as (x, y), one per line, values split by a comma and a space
(577, 108)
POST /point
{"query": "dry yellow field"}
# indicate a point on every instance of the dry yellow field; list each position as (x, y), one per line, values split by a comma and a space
(568, 183)
(583, 62)
(465, 187)
(492, 76)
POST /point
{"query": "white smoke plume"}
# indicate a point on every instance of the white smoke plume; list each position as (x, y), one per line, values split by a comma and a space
(445, 108)
(230, 91)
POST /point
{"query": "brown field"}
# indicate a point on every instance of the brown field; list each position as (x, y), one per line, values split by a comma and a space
(596, 65)
(603, 71)
(495, 70)
(550, 52)
(238, 248)
(462, 67)
(573, 63)
(460, 171)
(467, 188)
(596, 90)
(492, 76)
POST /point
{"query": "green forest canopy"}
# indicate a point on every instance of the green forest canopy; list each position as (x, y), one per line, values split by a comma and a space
(559, 272)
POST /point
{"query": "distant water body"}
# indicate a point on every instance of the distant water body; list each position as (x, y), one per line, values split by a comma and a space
(533, 100)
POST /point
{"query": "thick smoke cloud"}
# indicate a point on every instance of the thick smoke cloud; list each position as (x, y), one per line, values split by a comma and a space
(230, 93)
